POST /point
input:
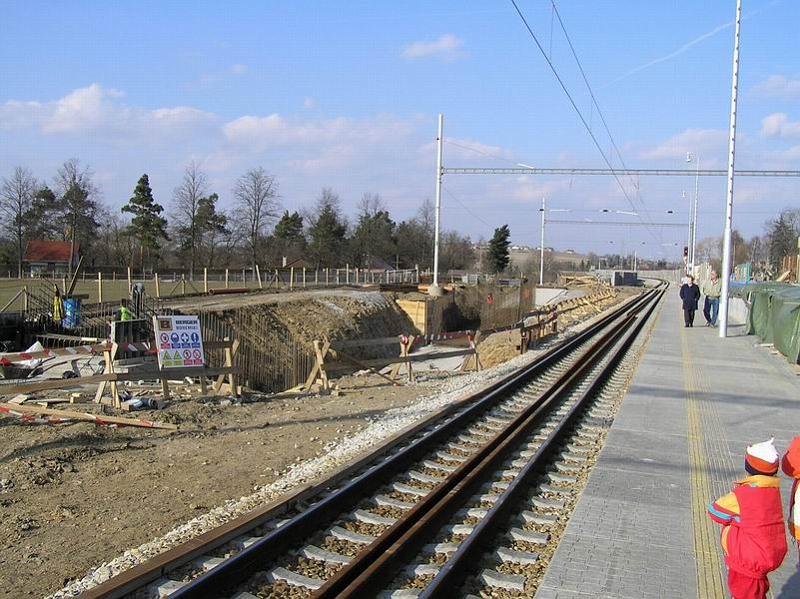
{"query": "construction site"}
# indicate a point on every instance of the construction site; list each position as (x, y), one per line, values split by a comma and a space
(104, 437)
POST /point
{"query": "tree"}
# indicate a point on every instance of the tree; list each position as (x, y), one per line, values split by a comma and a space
(287, 240)
(257, 198)
(782, 241)
(327, 230)
(45, 215)
(147, 226)
(455, 252)
(415, 238)
(78, 202)
(374, 233)
(498, 250)
(212, 226)
(186, 198)
(16, 203)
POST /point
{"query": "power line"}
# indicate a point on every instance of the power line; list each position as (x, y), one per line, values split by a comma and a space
(575, 107)
(460, 203)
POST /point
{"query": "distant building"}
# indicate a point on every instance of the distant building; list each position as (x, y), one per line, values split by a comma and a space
(47, 257)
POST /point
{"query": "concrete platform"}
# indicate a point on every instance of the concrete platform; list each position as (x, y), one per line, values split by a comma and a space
(695, 403)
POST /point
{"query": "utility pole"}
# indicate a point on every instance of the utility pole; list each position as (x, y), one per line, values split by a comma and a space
(434, 289)
(694, 217)
(543, 209)
(726, 243)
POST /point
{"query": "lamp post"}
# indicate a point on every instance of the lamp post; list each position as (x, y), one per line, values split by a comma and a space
(543, 209)
(434, 289)
(693, 247)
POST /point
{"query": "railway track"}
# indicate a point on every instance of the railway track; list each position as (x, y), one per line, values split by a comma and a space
(471, 500)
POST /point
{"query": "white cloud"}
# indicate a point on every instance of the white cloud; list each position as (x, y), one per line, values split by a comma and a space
(446, 47)
(707, 143)
(778, 124)
(779, 86)
(96, 110)
(239, 69)
(275, 130)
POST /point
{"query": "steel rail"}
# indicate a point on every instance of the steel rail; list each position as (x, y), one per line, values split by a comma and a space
(367, 574)
(231, 572)
(150, 570)
(499, 515)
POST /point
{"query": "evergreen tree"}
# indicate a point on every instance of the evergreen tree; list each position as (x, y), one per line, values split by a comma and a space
(374, 238)
(498, 250)
(211, 225)
(147, 226)
(782, 241)
(289, 228)
(327, 231)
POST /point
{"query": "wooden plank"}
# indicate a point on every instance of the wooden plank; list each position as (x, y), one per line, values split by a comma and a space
(83, 416)
(346, 343)
(410, 358)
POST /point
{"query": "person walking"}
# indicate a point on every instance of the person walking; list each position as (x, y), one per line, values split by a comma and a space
(712, 290)
(690, 294)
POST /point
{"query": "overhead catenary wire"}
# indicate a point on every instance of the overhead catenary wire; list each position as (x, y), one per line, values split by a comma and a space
(577, 110)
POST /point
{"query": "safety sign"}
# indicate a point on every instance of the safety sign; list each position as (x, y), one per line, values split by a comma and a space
(180, 342)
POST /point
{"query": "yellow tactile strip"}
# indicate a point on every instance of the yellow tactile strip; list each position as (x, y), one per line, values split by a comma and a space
(707, 551)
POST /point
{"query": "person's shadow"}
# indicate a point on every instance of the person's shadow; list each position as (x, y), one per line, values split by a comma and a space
(790, 588)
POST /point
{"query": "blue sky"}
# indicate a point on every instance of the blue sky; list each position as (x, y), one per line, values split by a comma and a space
(345, 95)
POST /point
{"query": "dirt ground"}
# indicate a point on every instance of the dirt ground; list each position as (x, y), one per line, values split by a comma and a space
(72, 495)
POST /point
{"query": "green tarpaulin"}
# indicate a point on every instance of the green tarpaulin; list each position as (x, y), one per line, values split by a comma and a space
(774, 315)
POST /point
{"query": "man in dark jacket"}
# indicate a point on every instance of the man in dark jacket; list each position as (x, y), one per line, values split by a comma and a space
(690, 294)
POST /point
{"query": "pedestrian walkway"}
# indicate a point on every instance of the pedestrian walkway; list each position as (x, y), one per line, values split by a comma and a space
(695, 403)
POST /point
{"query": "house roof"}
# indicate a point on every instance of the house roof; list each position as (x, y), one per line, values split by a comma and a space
(40, 250)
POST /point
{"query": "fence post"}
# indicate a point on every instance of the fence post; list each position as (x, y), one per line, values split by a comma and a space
(158, 285)
(226, 278)
(205, 279)
(100, 287)
(316, 277)
(291, 278)
(327, 272)
(130, 279)
(244, 278)
(304, 277)
(183, 283)
(347, 274)
(356, 273)
(258, 274)
(25, 299)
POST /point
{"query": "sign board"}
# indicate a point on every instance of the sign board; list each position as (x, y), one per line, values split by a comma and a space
(179, 341)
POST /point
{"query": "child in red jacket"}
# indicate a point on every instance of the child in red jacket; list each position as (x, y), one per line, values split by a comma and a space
(753, 537)
(790, 464)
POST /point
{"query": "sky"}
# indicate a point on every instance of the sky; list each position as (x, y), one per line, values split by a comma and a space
(346, 95)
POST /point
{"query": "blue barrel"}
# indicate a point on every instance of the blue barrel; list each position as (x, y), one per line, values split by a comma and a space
(72, 312)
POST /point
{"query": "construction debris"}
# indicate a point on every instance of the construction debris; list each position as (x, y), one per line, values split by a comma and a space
(51, 416)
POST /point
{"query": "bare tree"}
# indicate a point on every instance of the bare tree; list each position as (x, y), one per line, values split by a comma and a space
(186, 198)
(16, 201)
(257, 204)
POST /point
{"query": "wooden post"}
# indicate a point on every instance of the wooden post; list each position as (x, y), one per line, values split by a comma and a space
(356, 273)
(158, 285)
(304, 277)
(100, 287)
(258, 274)
(183, 284)
(316, 277)
(347, 274)
(226, 278)
(244, 278)
(277, 279)
(130, 279)
(291, 278)
(327, 272)
(25, 299)
(205, 279)
(337, 277)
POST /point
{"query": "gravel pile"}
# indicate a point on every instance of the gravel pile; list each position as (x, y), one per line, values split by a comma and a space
(334, 456)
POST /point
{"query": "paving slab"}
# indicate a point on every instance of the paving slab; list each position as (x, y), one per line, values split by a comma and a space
(639, 529)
